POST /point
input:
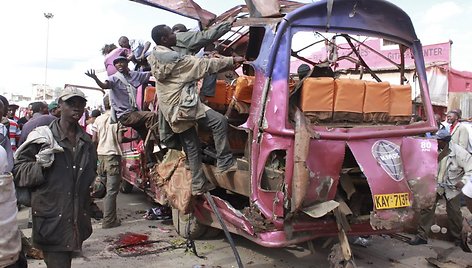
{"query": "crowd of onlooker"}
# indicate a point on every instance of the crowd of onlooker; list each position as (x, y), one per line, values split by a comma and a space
(15, 126)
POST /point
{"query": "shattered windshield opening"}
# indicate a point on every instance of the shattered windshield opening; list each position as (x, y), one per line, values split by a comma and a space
(350, 81)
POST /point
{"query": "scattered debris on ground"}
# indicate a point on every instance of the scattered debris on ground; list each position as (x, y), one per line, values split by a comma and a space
(158, 213)
(133, 244)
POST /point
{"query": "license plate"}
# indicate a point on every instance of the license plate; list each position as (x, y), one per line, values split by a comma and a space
(386, 201)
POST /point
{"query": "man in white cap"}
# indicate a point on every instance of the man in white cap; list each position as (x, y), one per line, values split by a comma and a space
(59, 162)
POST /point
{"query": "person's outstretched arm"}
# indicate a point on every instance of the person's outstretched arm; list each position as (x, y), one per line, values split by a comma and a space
(91, 73)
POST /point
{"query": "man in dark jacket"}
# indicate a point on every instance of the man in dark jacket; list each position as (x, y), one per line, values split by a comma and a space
(58, 163)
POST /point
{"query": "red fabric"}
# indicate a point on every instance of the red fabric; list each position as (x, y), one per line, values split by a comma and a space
(453, 126)
(459, 81)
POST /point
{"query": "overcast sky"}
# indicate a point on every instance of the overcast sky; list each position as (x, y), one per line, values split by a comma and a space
(80, 28)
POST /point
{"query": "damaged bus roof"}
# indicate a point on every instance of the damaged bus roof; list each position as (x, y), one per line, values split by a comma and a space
(364, 17)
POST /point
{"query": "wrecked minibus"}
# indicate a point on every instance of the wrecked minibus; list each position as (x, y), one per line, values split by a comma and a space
(330, 153)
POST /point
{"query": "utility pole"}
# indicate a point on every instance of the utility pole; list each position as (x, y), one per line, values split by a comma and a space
(47, 16)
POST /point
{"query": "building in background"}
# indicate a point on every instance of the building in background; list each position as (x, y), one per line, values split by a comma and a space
(42, 92)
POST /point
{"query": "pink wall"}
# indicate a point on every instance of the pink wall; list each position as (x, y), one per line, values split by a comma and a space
(431, 53)
(460, 81)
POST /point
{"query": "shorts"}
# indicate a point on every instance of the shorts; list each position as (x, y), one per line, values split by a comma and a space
(109, 165)
(467, 189)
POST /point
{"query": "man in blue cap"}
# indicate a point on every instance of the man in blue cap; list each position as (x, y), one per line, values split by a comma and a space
(454, 170)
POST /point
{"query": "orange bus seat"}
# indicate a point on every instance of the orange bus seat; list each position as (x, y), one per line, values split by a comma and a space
(317, 98)
(223, 93)
(376, 101)
(242, 95)
(400, 104)
(149, 94)
(243, 90)
(349, 100)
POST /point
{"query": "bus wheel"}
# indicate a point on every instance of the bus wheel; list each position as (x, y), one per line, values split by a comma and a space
(182, 221)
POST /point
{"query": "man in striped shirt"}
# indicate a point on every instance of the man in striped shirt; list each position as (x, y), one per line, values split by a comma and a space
(14, 133)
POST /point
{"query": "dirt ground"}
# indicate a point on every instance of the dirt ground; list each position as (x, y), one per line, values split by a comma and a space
(169, 251)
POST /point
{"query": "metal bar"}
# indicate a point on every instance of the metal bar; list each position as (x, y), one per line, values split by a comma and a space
(310, 45)
(402, 64)
(293, 54)
(376, 52)
(363, 63)
(85, 87)
(225, 229)
(256, 21)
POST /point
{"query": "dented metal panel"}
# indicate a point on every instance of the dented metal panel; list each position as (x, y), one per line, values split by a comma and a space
(324, 164)
(420, 156)
(263, 8)
(391, 167)
(300, 169)
(381, 162)
(186, 8)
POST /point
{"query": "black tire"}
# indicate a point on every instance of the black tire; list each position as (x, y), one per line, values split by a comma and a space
(126, 187)
(180, 221)
(212, 232)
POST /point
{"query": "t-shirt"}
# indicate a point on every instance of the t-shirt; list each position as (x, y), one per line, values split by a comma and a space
(88, 129)
(107, 135)
(5, 144)
(137, 46)
(3, 160)
(15, 134)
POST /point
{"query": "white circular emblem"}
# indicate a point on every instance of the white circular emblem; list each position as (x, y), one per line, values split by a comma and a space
(388, 156)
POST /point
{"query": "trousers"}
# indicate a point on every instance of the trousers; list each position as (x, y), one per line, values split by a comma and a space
(110, 168)
(454, 218)
(58, 259)
(191, 145)
(141, 121)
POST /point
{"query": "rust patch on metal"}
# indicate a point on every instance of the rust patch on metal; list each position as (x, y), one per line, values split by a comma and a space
(300, 179)
(257, 220)
(323, 189)
(390, 219)
(422, 196)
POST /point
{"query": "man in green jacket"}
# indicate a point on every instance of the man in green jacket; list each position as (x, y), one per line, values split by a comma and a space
(58, 163)
(176, 77)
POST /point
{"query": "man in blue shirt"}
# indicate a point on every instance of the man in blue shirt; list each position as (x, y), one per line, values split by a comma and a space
(123, 94)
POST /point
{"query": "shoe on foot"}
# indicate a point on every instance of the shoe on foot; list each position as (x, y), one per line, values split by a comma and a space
(207, 186)
(111, 225)
(462, 243)
(418, 241)
(95, 212)
(229, 169)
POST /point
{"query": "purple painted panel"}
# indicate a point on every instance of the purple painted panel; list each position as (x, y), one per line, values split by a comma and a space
(381, 162)
(277, 107)
(267, 200)
(419, 157)
(256, 101)
(324, 164)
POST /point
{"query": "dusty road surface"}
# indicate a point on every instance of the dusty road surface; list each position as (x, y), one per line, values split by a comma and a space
(98, 251)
